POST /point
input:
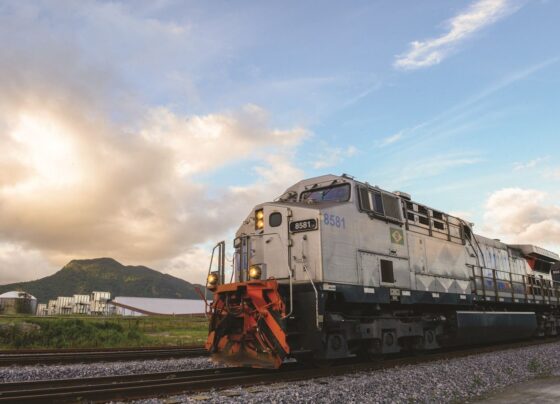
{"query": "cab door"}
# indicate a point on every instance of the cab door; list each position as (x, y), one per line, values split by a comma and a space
(272, 248)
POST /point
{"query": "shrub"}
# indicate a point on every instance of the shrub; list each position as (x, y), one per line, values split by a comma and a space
(71, 333)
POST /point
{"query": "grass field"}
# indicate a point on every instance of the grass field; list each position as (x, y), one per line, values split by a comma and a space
(23, 332)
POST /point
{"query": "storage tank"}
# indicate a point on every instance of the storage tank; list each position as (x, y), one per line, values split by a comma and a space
(17, 302)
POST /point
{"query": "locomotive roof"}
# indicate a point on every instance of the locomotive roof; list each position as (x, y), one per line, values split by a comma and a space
(537, 252)
(525, 249)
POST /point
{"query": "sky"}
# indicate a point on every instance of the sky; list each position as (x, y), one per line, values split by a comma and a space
(147, 130)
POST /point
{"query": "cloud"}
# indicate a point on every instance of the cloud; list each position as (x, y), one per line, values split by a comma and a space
(391, 139)
(463, 116)
(461, 27)
(85, 172)
(519, 215)
(88, 189)
(530, 164)
(334, 156)
(434, 166)
(18, 262)
(553, 173)
(192, 263)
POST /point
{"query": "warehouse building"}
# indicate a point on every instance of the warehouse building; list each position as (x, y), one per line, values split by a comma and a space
(80, 304)
(42, 309)
(64, 304)
(17, 302)
(98, 303)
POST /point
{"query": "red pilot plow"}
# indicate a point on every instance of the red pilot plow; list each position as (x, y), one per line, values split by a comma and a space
(247, 325)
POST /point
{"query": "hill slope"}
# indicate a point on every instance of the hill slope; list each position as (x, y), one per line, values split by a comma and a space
(105, 274)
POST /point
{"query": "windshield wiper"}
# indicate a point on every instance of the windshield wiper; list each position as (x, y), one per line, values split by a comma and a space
(328, 190)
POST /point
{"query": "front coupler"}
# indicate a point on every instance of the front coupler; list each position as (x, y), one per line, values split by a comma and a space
(247, 326)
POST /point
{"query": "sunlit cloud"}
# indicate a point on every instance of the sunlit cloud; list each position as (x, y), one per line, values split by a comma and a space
(519, 215)
(83, 176)
(134, 196)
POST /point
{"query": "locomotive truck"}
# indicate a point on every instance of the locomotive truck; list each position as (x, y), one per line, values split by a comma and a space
(336, 268)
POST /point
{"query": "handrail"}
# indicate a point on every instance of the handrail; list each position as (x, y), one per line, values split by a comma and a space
(291, 294)
(221, 264)
(316, 295)
(533, 288)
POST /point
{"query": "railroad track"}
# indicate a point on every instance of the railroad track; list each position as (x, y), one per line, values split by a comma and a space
(128, 387)
(8, 358)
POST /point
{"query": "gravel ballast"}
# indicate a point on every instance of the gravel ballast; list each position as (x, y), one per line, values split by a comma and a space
(81, 370)
(442, 381)
(452, 380)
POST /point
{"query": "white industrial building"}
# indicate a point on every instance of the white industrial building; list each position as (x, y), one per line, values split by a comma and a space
(94, 304)
(42, 309)
(81, 304)
(64, 304)
(100, 304)
(51, 308)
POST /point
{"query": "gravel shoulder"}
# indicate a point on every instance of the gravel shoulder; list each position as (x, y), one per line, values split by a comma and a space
(454, 380)
(82, 370)
(464, 379)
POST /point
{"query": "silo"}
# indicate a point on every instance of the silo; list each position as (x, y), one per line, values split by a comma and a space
(17, 302)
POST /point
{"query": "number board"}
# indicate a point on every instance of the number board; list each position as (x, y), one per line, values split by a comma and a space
(303, 225)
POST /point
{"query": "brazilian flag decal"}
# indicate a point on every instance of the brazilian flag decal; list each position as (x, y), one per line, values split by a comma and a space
(397, 236)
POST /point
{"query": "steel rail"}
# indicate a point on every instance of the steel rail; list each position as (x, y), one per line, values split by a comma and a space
(126, 387)
(164, 384)
(10, 358)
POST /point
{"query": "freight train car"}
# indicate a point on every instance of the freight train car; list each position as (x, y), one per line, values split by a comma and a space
(337, 268)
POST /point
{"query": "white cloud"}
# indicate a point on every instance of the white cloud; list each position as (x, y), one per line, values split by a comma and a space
(553, 173)
(391, 139)
(333, 156)
(434, 166)
(191, 264)
(87, 189)
(461, 27)
(530, 164)
(18, 263)
(91, 168)
(464, 117)
(519, 215)
(203, 143)
(83, 175)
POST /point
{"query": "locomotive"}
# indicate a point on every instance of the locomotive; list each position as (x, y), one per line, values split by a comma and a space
(336, 268)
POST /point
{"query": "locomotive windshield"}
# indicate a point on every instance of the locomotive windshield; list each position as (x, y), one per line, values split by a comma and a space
(334, 193)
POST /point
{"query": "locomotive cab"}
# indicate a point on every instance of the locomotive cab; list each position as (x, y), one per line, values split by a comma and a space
(276, 267)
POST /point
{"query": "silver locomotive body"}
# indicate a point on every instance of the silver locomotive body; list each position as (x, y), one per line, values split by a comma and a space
(360, 270)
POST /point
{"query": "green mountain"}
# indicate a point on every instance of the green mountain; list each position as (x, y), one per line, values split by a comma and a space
(106, 274)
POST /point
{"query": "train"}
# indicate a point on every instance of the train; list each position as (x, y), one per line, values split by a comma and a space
(336, 268)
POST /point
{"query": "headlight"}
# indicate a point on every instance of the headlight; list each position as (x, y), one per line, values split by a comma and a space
(212, 279)
(255, 272)
(259, 219)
